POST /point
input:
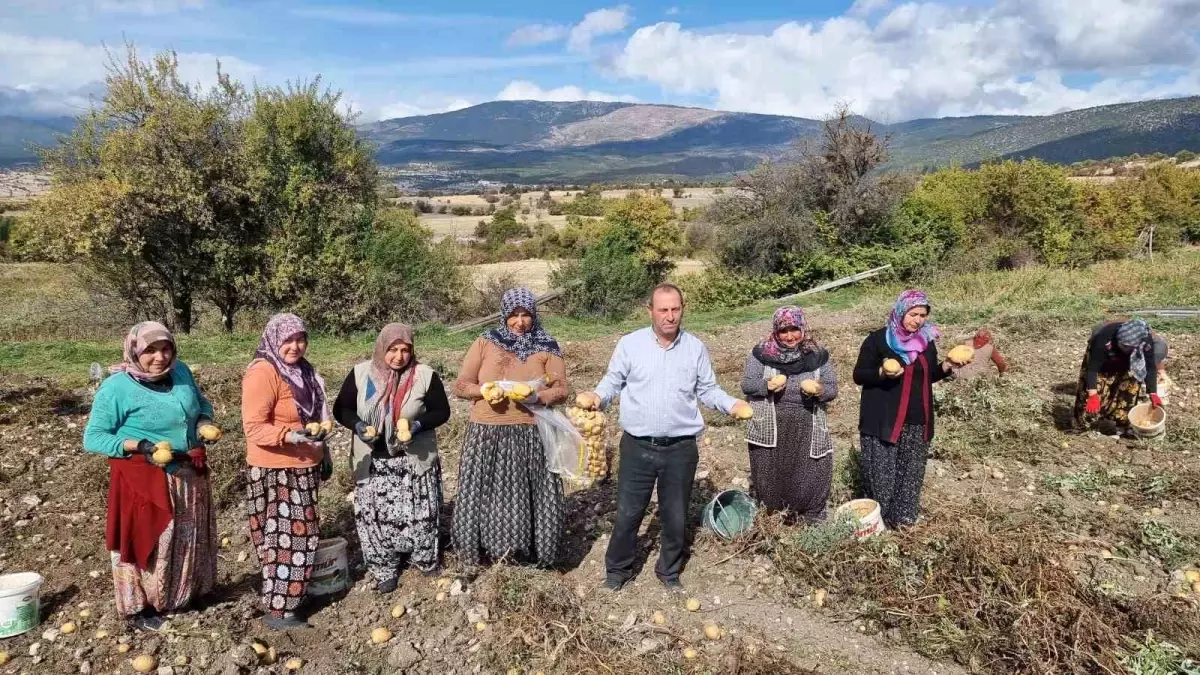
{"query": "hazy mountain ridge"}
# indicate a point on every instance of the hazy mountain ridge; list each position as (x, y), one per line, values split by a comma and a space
(585, 141)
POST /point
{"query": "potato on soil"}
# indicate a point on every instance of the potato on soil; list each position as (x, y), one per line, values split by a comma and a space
(692, 605)
(144, 663)
(381, 635)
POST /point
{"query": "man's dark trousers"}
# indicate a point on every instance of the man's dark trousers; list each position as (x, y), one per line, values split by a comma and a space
(672, 463)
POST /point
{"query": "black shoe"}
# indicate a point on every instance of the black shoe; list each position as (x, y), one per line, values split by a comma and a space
(387, 586)
(147, 621)
(612, 584)
(286, 622)
(673, 585)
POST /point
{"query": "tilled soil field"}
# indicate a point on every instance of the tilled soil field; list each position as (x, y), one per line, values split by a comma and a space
(1040, 550)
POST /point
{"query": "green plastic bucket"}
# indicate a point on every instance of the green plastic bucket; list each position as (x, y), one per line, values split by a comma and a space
(730, 513)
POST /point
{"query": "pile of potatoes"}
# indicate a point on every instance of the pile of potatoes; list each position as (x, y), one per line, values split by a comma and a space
(591, 424)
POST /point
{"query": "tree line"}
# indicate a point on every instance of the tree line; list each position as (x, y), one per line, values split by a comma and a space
(175, 196)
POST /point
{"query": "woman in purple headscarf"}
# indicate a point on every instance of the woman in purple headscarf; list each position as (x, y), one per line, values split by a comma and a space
(789, 380)
(285, 420)
(896, 368)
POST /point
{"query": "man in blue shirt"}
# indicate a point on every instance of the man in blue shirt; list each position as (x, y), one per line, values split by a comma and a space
(660, 373)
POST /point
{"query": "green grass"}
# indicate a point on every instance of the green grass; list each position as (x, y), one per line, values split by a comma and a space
(1025, 303)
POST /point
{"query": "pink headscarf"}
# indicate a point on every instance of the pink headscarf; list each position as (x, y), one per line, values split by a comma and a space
(307, 387)
(139, 338)
(909, 345)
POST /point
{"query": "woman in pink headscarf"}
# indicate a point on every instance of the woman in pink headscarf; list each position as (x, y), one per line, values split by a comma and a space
(282, 394)
(791, 450)
(393, 404)
(895, 417)
(161, 532)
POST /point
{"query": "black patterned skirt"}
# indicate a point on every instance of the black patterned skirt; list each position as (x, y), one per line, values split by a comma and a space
(285, 530)
(396, 515)
(787, 477)
(508, 503)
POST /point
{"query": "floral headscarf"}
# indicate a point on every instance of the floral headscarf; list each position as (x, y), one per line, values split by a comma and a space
(139, 338)
(522, 346)
(1134, 338)
(805, 357)
(308, 389)
(387, 389)
(909, 345)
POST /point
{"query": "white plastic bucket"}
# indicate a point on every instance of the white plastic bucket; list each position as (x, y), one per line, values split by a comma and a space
(330, 571)
(868, 514)
(19, 606)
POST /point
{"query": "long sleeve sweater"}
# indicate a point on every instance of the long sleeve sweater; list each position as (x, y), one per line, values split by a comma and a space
(437, 408)
(268, 415)
(1104, 355)
(754, 385)
(485, 362)
(124, 409)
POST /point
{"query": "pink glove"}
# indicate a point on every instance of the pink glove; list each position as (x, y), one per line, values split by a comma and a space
(1156, 400)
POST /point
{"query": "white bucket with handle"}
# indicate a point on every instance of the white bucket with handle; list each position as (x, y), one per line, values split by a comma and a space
(19, 606)
(868, 515)
(330, 569)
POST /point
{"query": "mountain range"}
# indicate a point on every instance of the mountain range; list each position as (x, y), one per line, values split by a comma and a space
(585, 141)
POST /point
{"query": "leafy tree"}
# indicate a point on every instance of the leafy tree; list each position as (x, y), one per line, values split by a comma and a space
(151, 190)
(408, 276)
(829, 198)
(651, 223)
(315, 179)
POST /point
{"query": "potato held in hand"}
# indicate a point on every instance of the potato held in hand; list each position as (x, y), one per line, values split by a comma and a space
(776, 383)
(492, 392)
(892, 367)
(403, 431)
(209, 432)
(520, 392)
(811, 387)
(162, 453)
(961, 355)
(741, 411)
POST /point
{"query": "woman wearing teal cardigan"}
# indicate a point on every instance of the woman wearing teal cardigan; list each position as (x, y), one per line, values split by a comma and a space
(149, 418)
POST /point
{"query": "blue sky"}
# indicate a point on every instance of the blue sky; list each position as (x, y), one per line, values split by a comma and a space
(891, 60)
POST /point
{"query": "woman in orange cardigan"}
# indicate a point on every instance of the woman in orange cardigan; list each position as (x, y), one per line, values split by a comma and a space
(509, 503)
(282, 394)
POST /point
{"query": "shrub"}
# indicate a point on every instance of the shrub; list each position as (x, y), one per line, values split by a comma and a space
(409, 278)
(460, 210)
(608, 280)
(716, 288)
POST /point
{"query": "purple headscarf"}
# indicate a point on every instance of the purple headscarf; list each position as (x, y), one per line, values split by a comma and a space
(909, 345)
(308, 389)
(139, 338)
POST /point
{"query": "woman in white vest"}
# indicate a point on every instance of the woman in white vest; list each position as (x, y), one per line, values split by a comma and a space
(393, 404)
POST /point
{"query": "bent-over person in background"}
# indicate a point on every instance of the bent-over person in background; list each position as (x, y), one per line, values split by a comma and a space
(660, 372)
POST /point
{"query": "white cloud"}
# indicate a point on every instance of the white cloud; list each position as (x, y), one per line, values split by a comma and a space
(49, 68)
(926, 59)
(523, 90)
(597, 24)
(423, 104)
(537, 33)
